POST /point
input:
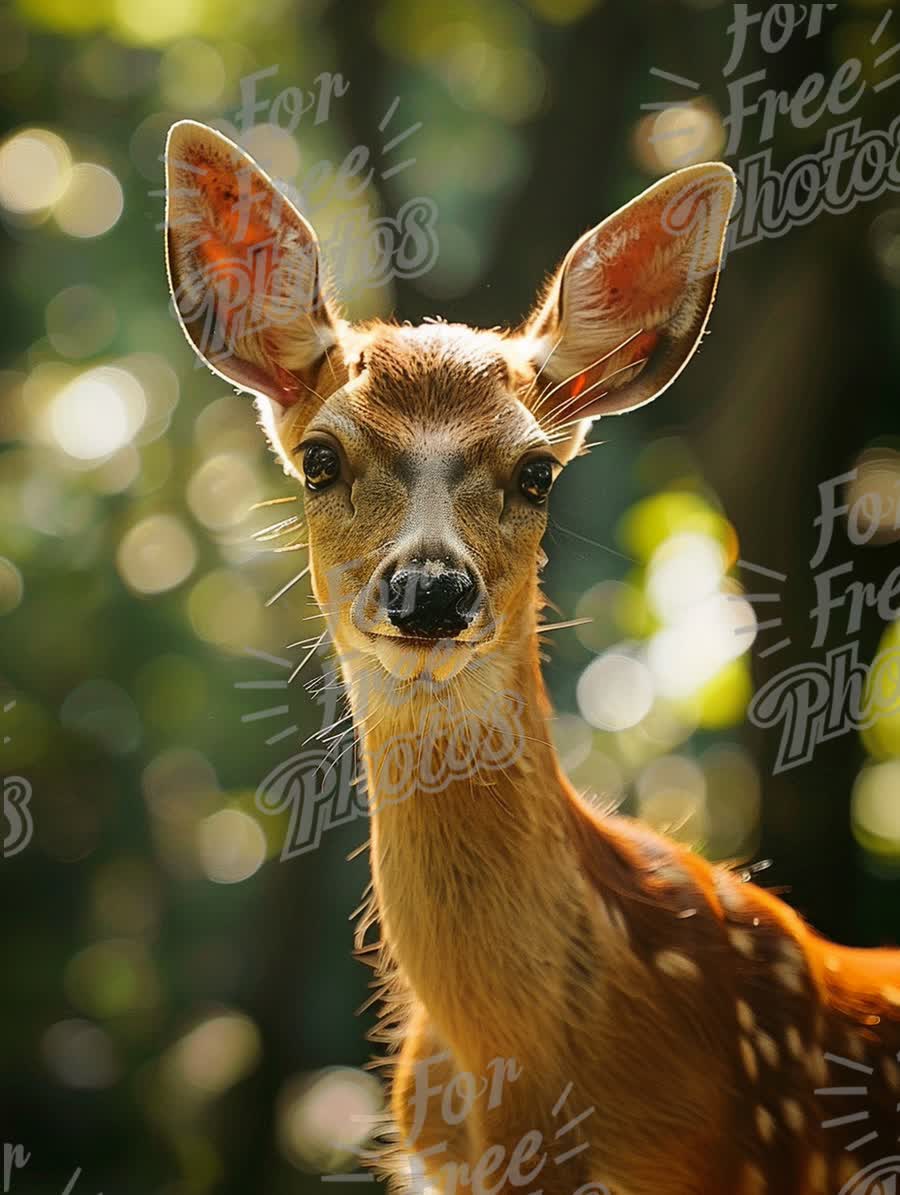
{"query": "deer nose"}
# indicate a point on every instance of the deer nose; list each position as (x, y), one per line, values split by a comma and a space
(431, 599)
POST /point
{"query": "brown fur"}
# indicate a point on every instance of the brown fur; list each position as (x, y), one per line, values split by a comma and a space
(686, 1015)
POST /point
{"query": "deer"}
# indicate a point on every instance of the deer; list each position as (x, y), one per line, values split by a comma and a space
(571, 1001)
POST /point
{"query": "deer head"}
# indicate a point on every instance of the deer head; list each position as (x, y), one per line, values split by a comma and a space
(427, 454)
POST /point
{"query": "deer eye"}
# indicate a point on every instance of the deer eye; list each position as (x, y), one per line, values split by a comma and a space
(536, 480)
(321, 466)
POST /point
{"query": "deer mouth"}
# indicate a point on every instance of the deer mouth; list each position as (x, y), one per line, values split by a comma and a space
(407, 657)
(421, 643)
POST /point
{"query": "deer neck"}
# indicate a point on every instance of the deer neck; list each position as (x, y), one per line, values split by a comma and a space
(469, 847)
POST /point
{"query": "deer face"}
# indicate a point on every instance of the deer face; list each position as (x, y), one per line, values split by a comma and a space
(426, 481)
(427, 454)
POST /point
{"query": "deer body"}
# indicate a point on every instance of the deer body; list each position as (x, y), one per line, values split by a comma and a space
(511, 951)
(573, 1003)
(694, 1013)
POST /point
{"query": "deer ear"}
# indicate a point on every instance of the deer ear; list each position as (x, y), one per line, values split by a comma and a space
(243, 268)
(626, 310)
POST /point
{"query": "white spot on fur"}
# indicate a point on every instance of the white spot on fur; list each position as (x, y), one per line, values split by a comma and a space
(741, 940)
(791, 951)
(891, 1073)
(677, 965)
(767, 1047)
(748, 1057)
(765, 1125)
(855, 1047)
(729, 892)
(793, 1115)
(617, 917)
(613, 917)
(794, 1042)
(818, 1068)
(746, 1019)
(671, 873)
(789, 977)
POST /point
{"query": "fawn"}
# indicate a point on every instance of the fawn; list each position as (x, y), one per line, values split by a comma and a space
(553, 978)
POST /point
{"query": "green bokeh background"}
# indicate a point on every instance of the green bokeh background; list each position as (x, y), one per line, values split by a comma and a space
(132, 716)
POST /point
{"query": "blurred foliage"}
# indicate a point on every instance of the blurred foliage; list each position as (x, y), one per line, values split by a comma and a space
(179, 1005)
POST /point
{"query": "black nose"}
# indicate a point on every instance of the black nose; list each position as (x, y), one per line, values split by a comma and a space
(431, 600)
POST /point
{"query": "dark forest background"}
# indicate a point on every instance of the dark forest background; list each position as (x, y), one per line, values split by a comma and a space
(179, 1005)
